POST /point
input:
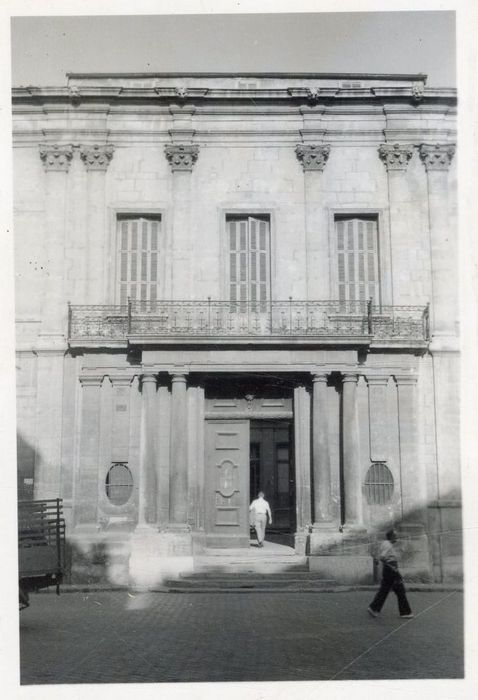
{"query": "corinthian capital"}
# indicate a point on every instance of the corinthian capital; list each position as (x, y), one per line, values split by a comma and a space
(396, 156)
(181, 156)
(97, 157)
(56, 157)
(437, 156)
(313, 157)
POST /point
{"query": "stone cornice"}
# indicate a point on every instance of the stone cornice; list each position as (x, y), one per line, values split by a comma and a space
(56, 157)
(181, 156)
(313, 156)
(97, 157)
(395, 156)
(437, 156)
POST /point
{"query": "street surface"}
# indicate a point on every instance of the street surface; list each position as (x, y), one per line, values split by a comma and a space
(118, 637)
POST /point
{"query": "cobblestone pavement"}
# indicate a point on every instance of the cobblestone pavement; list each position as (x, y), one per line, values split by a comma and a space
(115, 637)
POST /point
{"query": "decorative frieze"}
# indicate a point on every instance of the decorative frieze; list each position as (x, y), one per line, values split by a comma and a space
(181, 156)
(97, 157)
(395, 156)
(56, 157)
(437, 156)
(313, 156)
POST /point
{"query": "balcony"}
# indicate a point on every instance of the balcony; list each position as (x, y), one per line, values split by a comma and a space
(268, 322)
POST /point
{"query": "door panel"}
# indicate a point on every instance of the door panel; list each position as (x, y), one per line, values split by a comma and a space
(227, 483)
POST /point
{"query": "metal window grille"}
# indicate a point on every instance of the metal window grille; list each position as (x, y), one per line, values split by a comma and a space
(119, 483)
(379, 484)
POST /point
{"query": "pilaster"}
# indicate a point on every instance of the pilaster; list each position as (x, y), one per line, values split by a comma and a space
(396, 158)
(86, 497)
(56, 160)
(181, 157)
(49, 422)
(96, 158)
(443, 243)
(313, 158)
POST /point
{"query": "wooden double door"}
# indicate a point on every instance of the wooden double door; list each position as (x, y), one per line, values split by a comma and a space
(244, 457)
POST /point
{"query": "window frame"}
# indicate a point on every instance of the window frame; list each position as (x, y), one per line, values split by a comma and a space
(112, 292)
(383, 249)
(255, 211)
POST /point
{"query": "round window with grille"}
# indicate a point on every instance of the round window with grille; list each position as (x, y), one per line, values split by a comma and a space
(119, 484)
(378, 484)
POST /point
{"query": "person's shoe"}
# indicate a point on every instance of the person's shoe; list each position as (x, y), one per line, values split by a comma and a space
(408, 616)
(371, 612)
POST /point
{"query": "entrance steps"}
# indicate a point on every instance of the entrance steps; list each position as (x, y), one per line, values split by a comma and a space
(273, 567)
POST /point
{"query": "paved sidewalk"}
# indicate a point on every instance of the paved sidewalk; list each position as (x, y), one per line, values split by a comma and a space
(117, 637)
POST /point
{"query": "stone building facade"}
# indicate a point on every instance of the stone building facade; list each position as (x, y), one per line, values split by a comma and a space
(227, 283)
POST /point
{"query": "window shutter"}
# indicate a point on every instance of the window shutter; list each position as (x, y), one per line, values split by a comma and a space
(138, 259)
(357, 259)
(249, 259)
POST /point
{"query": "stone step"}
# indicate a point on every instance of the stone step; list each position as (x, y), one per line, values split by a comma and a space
(226, 576)
(232, 583)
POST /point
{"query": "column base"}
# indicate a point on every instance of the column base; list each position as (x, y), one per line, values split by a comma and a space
(323, 536)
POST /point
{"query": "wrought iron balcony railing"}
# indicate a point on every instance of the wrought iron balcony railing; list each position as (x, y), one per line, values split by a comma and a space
(242, 320)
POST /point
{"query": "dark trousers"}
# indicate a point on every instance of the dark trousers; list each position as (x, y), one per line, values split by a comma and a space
(391, 580)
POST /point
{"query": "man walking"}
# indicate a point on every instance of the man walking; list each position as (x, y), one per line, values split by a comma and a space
(260, 511)
(391, 579)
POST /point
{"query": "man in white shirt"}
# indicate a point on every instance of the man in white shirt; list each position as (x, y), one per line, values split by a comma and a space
(260, 511)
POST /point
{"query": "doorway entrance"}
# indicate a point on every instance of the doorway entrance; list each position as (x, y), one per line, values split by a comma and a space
(271, 470)
(244, 456)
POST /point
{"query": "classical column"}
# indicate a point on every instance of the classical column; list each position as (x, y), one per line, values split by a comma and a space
(147, 456)
(396, 158)
(351, 453)
(378, 417)
(413, 476)
(56, 160)
(320, 449)
(178, 480)
(196, 408)
(96, 159)
(181, 157)
(444, 254)
(313, 158)
(302, 457)
(86, 492)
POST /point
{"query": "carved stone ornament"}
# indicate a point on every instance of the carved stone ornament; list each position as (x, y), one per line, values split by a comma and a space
(418, 90)
(437, 156)
(97, 157)
(181, 156)
(313, 157)
(56, 157)
(313, 95)
(396, 156)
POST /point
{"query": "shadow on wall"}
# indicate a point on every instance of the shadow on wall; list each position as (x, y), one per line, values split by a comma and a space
(431, 554)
